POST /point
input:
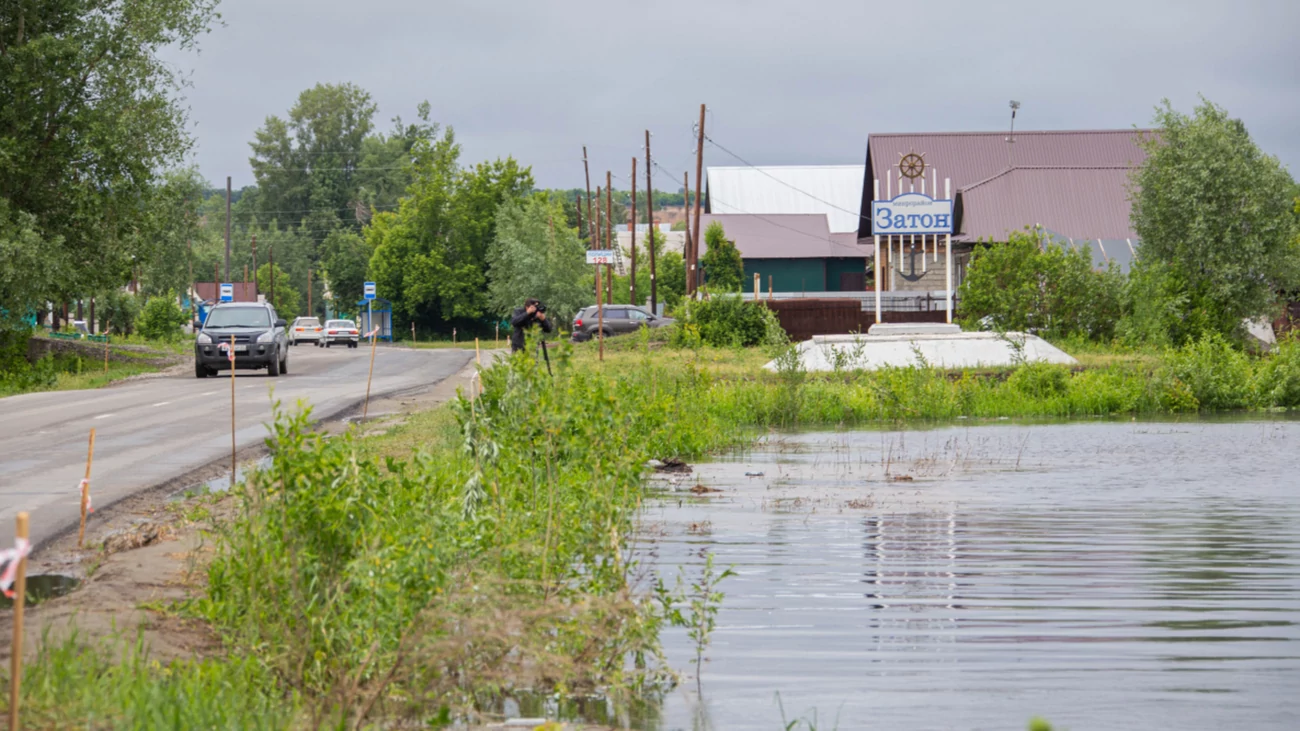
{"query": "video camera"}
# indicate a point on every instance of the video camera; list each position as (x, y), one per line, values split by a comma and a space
(541, 307)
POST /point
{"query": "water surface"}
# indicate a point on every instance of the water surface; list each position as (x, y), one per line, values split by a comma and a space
(1103, 575)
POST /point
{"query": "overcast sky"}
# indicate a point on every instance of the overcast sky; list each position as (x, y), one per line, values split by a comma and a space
(786, 82)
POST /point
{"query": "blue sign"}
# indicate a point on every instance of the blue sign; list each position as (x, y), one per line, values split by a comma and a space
(227, 292)
(911, 213)
(370, 290)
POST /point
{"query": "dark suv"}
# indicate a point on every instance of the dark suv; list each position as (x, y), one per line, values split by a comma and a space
(258, 337)
(619, 319)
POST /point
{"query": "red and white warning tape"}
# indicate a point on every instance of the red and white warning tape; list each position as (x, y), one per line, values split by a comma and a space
(372, 333)
(85, 484)
(230, 352)
(11, 557)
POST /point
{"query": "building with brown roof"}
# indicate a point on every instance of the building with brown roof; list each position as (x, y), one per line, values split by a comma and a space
(1071, 184)
(793, 252)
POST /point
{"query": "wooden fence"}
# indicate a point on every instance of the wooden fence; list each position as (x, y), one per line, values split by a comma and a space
(803, 318)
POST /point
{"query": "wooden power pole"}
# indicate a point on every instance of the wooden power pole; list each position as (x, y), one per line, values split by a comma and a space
(586, 171)
(228, 230)
(689, 245)
(695, 232)
(610, 243)
(632, 271)
(309, 312)
(255, 289)
(650, 219)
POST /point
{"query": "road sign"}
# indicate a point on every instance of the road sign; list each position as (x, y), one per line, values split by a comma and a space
(227, 292)
(600, 256)
(911, 213)
(370, 290)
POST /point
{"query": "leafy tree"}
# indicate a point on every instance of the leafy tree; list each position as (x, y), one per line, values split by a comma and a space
(1025, 286)
(162, 318)
(345, 258)
(535, 255)
(284, 299)
(117, 312)
(27, 273)
(429, 256)
(171, 224)
(724, 270)
(1214, 216)
(88, 117)
(670, 270)
(308, 162)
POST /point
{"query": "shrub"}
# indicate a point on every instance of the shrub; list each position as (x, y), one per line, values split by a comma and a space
(1040, 380)
(1025, 286)
(1217, 375)
(1277, 380)
(729, 321)
(162, 318)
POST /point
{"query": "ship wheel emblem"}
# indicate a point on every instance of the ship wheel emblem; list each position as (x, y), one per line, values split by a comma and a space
(911, 165)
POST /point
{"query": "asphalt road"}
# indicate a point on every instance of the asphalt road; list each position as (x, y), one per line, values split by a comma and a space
(154, 430)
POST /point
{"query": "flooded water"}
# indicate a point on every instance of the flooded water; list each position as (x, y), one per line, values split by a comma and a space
(41, 587)
(1099, 575)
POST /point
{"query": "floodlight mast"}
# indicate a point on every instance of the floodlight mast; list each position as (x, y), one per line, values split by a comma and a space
(1012, 138)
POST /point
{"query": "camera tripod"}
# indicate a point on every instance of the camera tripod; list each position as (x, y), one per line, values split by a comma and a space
(541, 345)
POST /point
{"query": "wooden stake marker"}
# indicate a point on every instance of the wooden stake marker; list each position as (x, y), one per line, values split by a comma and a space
(365, 410)
(232, 412)
(20, 598)
(85, 492)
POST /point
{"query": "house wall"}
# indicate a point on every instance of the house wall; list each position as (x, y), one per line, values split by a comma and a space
(789, 275)
(847, 265)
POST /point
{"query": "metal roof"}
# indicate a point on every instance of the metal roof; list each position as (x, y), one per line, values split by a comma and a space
(783, 236)
(1074, 202)
(970, 158)
(835, 190)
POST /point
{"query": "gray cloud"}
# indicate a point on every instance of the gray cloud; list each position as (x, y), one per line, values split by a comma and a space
(786, 82)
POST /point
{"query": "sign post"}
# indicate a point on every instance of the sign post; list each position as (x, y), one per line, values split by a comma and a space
(227, 292)
(370, 300)
(909, 214)
(600, 257)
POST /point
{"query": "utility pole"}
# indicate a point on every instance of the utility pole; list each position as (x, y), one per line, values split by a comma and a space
(610, 243)
(632, 278)
(695, 233)
(689, 244)
(227, 228)
(309, 311)
(650, 219)
(270, 257)
(596, 236)
(592, 242)
(579, 207)
(255, 289)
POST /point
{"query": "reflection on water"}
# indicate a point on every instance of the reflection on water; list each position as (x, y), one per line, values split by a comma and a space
(1102, 575)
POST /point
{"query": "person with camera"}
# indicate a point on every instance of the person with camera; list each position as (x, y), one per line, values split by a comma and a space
(532, 313)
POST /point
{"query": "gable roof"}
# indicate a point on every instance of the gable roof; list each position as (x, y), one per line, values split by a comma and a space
(1074, 202)
(971, 158)
(833, 190)
(783, 236)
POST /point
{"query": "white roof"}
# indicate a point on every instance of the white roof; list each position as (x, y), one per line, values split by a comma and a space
(790, 189)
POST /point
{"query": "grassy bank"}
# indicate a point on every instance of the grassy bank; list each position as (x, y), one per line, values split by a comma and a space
(70, 371)
(480, 549)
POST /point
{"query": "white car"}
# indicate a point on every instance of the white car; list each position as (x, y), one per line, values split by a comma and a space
(305, 330)
(341, 332)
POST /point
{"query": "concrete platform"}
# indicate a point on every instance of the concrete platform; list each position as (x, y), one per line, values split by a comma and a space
(915, 344)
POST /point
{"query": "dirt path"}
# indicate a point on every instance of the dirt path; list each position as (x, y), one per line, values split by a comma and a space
(145, 554)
